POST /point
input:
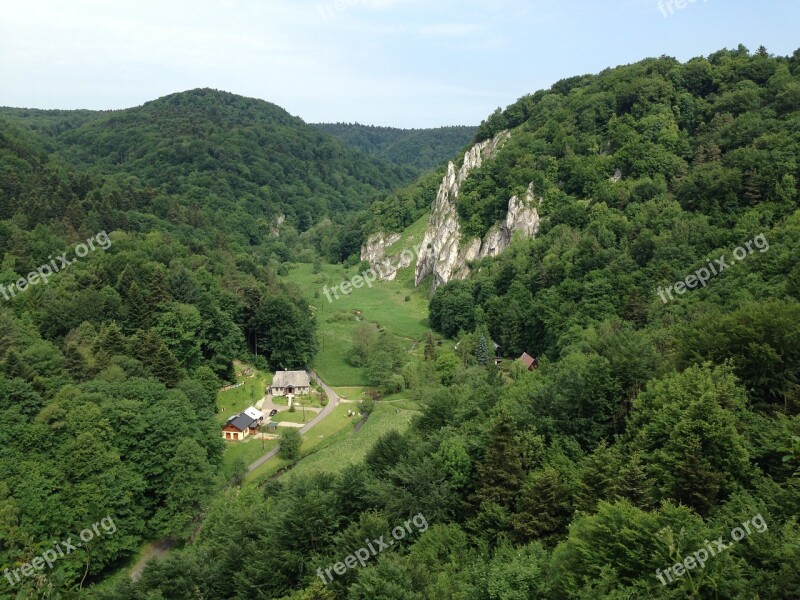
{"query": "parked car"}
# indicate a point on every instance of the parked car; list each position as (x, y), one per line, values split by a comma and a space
(273, 412)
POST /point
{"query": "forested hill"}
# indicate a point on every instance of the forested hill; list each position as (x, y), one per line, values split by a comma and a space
(655, 451)
(423, 149)
(137, 262)
(224, 159)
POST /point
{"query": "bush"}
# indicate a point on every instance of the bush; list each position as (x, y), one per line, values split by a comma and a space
(290, 444)
(395, 383)
(367, 406)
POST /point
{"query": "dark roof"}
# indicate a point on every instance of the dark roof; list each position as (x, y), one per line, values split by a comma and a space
(284, 379)
(242, 422)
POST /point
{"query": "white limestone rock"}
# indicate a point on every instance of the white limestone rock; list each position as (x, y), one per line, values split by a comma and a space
(443, 253)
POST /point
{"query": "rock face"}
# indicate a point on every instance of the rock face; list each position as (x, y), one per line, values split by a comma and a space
(375, 249)
(386, 267)
(276, 225)
(522, 216)
(442, 253)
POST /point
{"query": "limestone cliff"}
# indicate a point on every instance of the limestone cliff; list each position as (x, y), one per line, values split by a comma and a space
(385, 266)
(443, 254)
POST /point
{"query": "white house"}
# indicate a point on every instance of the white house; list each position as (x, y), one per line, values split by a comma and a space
(290, 382)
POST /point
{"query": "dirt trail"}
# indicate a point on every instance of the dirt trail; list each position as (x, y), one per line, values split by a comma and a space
(155, 550)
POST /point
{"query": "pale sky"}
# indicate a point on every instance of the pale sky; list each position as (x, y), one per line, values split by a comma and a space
(406, 63)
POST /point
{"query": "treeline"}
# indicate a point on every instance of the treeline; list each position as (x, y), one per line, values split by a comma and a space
(717, 134)
(109, 371)
(650, 428)
(422, 149)
(583, 479)
(233, 167)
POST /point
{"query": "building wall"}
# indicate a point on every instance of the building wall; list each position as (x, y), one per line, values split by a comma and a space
(299, 391)
(235, 436)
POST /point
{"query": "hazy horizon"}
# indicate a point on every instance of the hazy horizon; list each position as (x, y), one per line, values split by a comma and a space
(394, 63)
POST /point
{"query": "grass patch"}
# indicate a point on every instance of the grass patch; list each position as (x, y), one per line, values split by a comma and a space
(354, 393)
(249, 450)
(294, 417)
(267, 470)
(384, 303)
(321, 435)
(346, 448)
(235, 401)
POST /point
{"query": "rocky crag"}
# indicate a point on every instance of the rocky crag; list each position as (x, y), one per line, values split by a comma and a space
(443, 253)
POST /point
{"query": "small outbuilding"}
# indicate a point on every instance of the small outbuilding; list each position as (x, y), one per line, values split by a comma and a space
(239, 427)
(254, 413)
(529, 361)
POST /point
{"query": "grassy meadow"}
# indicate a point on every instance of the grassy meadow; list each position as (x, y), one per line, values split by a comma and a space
(396, 305)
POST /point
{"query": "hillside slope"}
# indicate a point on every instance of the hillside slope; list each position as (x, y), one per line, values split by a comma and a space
(224, 158)
(718, 135)
(422, 149)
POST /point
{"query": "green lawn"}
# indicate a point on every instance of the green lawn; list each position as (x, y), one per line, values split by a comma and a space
(294, 417)
(346, 447)
(235, 401)
(383, 303)
(317, 437)
(249, 450)
(354, 393)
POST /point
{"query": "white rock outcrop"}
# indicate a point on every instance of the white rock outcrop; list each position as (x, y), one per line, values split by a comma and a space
(522, 216)
(277, 224)
(384, 266)
(443, 254)
(375, 249)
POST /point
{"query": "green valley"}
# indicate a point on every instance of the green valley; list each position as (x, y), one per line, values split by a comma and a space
(567, 340)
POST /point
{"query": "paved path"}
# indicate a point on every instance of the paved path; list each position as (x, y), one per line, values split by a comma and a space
(333, 400)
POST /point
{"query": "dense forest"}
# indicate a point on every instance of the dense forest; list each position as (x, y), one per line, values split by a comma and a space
(423, 149)
(654, 425)
(201, 160)
(650, 427)
(153, 289)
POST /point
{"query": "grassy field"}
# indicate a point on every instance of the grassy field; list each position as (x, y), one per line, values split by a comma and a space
(235, 401)
(317, 437)
(346, 447)
(294, 417)
(397, 305)
(249, 450)
(353, 393)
